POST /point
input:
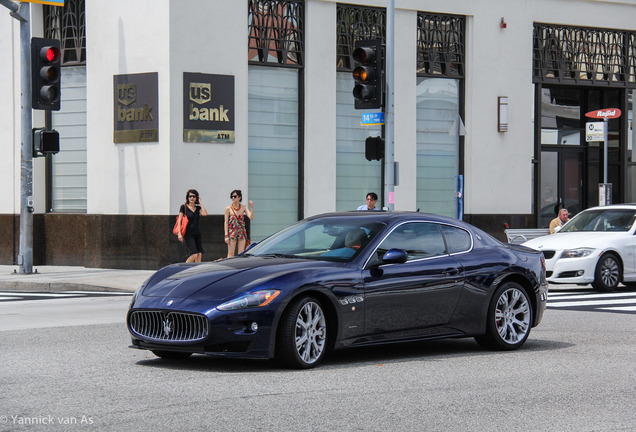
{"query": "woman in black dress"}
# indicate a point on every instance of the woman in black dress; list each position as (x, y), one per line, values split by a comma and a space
(193, 208)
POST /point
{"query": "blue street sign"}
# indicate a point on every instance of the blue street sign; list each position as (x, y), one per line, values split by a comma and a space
(370, 119)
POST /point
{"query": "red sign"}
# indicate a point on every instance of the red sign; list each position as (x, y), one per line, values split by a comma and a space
(609, 113)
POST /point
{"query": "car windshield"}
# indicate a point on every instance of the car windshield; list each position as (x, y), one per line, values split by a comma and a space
(601, 220)
(329, 239)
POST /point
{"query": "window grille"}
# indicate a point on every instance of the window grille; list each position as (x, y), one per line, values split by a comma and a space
(357, 23)
(577, 55)
(441, 45)
(68, 24)
(276, 32)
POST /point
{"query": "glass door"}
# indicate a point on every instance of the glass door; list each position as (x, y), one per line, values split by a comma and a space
(562, 182)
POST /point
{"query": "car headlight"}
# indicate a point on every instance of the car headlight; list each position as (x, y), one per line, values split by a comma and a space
(251, 300)
(577, 253)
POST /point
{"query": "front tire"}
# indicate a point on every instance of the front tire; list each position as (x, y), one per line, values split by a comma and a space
(608, 273)
(509, 319)
(302, 338)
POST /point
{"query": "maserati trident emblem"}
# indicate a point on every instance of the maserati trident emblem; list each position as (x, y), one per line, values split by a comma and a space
(168, 326)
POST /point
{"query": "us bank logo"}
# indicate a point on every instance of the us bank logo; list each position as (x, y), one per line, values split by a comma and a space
(208, 108)
(200, 93)
(126, 93)
(136, 108)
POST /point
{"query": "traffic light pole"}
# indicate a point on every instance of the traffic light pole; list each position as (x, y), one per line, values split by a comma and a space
(25, 257)
(389, 157)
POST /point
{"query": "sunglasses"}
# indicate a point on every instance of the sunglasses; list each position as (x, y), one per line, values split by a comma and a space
(234, 196)
(192, 196)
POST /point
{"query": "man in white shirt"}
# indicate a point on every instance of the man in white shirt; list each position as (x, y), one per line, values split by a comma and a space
(372, 200)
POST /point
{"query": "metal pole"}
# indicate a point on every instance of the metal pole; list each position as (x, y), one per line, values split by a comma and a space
(605, 145)
(389, 157)
(25, 259)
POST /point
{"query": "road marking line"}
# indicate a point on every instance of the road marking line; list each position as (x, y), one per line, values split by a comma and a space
(590, 303)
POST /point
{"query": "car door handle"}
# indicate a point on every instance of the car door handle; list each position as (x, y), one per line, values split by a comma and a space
(450, 272)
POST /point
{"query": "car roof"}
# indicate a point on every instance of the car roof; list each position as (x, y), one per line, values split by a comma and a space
(628, 206)
(393, 216)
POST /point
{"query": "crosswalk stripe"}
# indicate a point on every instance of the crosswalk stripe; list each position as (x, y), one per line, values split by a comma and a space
(621, 309)
(569, 296)
(590, 303)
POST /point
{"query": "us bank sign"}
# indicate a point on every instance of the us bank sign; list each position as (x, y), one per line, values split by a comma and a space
(136, 108)
(208, 108)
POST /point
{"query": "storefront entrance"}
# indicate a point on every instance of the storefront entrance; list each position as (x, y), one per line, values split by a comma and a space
(570, 168)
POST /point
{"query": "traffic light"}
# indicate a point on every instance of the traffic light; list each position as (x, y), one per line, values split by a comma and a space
(45, 74)
(374, 148)
(45, 142)
(367, 74)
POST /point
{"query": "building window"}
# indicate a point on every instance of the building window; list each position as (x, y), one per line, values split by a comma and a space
(576, 55)
(440, 45)
(356, 23)
(68, 24)
(67, 171)
(440, 69)
(275, 113)
(276, 32)
(355, 176)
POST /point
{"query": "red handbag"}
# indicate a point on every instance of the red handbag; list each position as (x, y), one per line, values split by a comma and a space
(184, 224)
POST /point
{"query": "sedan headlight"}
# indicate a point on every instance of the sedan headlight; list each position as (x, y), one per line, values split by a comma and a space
(251, 300)
(577, 253)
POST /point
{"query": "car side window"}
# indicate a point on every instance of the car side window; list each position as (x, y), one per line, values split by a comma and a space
(418, 239)
(457, 239)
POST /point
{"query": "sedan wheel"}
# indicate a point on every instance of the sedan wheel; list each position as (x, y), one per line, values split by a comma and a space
(608, 273)
(303, 334)
(509, 318)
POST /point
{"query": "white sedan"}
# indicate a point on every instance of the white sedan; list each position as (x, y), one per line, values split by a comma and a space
(597, 246)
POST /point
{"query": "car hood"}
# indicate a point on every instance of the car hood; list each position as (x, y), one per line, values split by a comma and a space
(570, 240)
(222, 280)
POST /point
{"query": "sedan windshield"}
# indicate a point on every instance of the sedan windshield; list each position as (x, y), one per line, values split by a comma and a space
(601, 220)
(329, 239)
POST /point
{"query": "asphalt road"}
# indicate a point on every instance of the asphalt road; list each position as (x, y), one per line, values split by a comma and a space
(576, 372)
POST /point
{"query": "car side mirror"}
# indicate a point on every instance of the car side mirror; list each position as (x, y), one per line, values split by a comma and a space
(395, 256)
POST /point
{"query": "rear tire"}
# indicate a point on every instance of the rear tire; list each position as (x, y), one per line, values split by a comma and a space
(509, 319)
(302, 335)
(608, 273)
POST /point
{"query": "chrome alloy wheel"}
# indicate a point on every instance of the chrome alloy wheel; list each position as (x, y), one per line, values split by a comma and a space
(311, 332)
(512, 315)
(610, 272)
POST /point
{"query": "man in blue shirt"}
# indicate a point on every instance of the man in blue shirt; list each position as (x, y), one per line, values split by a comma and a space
(372, 199)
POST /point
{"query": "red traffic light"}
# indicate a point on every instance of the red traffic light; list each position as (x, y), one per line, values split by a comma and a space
(46, 60)
(50, 53)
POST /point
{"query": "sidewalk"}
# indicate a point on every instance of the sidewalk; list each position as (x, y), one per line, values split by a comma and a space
(67, 278)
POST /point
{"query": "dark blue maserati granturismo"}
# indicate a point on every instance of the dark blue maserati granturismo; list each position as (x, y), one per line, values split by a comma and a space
(342, 280)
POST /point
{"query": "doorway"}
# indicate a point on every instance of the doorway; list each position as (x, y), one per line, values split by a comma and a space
(571, 168)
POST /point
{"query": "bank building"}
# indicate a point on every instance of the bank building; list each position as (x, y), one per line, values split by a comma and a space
(161, 96)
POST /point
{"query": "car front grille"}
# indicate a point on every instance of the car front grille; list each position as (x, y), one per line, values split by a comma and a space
(548, 254)
(169, 326)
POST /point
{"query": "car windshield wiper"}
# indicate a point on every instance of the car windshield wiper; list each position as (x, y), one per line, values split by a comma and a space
(277, 255)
